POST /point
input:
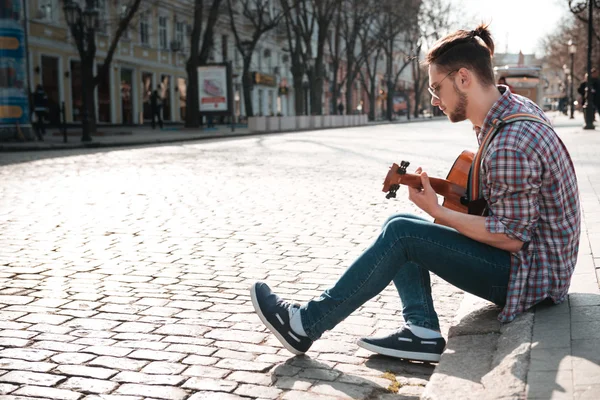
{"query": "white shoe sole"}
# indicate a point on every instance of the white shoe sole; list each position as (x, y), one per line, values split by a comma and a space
(268, 325)
(408, 355)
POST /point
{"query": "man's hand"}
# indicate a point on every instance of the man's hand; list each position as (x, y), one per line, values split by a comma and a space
(426, 198)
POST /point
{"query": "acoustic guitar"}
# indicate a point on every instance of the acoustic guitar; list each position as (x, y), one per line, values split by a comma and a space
(453, 188)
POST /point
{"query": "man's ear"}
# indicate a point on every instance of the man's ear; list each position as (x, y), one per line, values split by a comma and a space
(465, 78)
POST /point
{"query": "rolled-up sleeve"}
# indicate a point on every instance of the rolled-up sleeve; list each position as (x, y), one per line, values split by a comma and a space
(512, 182)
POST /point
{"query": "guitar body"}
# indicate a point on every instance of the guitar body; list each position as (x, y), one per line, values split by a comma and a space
(459, 175)
(453, 188)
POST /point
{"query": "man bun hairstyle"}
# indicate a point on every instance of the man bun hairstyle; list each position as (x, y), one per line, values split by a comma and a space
(465, 49)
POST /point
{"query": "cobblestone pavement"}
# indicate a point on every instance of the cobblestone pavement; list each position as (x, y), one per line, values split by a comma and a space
(124, 274)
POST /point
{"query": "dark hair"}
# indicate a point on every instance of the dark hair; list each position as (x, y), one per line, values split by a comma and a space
(465, 49)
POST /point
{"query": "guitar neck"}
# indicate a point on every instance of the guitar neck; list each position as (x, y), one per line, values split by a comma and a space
(442, 187)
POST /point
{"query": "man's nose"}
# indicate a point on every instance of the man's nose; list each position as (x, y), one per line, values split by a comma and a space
(435, 101)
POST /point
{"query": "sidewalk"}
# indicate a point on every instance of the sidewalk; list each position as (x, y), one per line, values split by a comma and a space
(551, 352)
(143, 135)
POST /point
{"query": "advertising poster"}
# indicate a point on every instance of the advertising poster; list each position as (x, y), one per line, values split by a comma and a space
(14, 99)
(213, 88)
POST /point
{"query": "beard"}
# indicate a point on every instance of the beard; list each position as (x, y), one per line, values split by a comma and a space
(459, 113)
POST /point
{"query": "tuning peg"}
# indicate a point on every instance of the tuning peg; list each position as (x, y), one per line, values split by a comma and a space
(403, 166)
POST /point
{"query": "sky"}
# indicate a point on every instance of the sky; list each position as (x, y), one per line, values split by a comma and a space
(520, 24)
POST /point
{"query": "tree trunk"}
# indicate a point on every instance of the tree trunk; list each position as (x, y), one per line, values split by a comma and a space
(247, 85)
(349, 103)
(192, 112)
(316, 102)
(89, 104)
(334, 92)
(372, 99)
(297, 75)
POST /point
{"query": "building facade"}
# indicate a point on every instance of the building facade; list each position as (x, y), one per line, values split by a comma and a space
(151, 55)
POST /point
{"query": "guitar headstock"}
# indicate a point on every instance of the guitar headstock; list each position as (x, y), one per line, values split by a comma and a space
(392, 181)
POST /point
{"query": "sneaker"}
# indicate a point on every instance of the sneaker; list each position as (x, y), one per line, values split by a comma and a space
(404, 344)
(274, 312)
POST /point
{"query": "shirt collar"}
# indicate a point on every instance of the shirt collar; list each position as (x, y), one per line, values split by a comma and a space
(500, 107)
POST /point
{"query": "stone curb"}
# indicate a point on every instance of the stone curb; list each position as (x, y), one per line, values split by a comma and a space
(483, 359)
(36, 146)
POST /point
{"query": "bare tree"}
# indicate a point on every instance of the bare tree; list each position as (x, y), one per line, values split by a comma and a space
(334, 43)
(397, 20)
(262, 18)
(85, 42)
(368, 76)
(436, 18)
(199, 55)
(306, 18)
(356, 15)
(295, 28)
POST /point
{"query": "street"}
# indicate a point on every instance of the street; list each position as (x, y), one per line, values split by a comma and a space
(126, 272)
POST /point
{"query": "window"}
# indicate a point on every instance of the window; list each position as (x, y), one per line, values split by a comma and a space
(162, 33)
(179, 34)
(47, 10)
(144, 30)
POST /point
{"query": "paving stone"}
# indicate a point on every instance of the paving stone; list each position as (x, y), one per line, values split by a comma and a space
(182, 330)
(13, 342)
(48, 393)
(240, 365)
(165, 368)
(215, 396)
(342, 390)
(147, 379)
(5, 388)
(127, 364)
(157, 355)
(250, 377)
(15, 299)
(287, 383)
(206, 384)
(86, 385)
(44, 319)
(17, 334)
(91, 324)
(85, 371)
(158, 392)
(191, 349)
(32, 378)
(298, 395)
(205, 372)
(109, 351)
(26, 354)
(239, 336)
(263, 392)
(57, 346)
(135, 327)
(8, 363)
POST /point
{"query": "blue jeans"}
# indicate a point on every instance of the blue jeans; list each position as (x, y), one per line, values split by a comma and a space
(407, 248)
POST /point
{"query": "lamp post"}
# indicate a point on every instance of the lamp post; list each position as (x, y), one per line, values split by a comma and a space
(82, 24)
(576, 7)
(572, 51)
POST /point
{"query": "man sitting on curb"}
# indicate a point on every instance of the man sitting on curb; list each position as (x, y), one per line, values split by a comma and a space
(521, 252)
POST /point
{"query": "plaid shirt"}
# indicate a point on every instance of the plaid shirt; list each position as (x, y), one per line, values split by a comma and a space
(529, 182)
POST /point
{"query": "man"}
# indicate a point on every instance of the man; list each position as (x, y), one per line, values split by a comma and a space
(523, 252)
(595, 89)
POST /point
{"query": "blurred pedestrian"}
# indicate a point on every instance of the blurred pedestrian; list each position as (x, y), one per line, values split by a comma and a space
(156, 105)
(40, 110)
